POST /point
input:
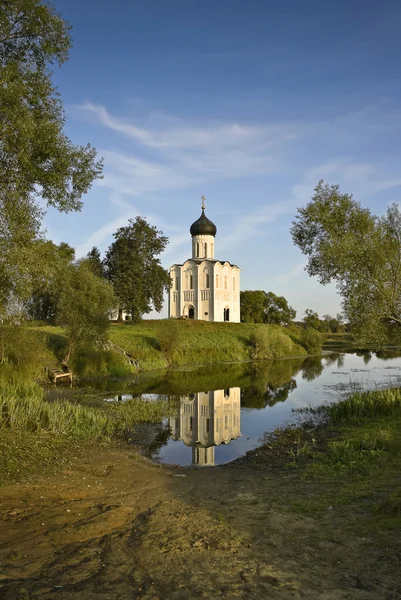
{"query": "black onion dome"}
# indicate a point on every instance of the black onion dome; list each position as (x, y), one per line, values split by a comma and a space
(203, 226)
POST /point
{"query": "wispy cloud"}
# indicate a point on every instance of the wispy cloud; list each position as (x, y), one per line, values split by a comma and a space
(167, 153)
(180, 154)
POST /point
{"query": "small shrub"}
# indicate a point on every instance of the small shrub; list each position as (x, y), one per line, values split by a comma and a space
(311, 340)
(170, 339)
(261, 343)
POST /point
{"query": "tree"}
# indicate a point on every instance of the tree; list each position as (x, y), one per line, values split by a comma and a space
(48, 278)
(95, 262)
(37, 159)
(277, 311)
(84, 305)
(258, 306)
(361, 253)
(131, 265)
(311, 319)
(253, 304)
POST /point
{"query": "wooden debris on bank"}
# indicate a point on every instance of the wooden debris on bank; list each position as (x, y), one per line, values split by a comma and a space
(63, 374)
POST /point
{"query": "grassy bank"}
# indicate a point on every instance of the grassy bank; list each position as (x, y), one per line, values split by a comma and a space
(37, 437)
(351, 458)
(158, 344)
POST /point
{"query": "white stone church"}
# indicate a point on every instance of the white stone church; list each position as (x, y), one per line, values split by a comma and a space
(204, 288)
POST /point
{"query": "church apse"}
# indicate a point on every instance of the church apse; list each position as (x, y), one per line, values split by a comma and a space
(206, 420)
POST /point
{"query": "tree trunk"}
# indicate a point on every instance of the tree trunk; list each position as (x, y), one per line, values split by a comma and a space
(68, 354)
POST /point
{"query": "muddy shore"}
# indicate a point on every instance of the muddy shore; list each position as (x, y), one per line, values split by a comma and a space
(112, 525)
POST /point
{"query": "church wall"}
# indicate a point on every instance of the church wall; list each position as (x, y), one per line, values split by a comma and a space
(174, 296)
(226, 292)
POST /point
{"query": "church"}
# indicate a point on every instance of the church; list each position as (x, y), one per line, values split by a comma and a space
(202, 287)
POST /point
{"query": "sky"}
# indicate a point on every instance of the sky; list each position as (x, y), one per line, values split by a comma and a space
(248, 102)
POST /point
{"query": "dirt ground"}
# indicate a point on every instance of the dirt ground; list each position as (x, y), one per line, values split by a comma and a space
(114, 526)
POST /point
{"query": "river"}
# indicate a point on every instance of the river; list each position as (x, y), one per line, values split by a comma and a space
(220, 412)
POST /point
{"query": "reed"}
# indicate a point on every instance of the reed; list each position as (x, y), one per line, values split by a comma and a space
(361, 406)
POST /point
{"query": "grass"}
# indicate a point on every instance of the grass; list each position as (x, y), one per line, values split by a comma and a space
(33, 433)
(351, 458)
(156, 344)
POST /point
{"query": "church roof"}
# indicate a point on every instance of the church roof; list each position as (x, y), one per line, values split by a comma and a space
(200, 259)
(203, 226)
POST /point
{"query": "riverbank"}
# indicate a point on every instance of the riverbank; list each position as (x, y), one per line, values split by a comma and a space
(158, 344)
(314, 513)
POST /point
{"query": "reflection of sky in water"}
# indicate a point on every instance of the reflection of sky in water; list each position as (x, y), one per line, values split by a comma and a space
(329, 380)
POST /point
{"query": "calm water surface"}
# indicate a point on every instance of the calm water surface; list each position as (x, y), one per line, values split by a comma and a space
(219, 413)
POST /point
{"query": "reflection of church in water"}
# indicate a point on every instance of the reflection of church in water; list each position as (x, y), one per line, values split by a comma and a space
(206, 420)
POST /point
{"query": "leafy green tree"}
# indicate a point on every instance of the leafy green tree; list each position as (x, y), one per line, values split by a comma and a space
(84, 305)
(37, 159)
(253, 303)
(258, 306)
(277, 311)
(131, 265)
(311, 319)
(95, 262)
(360, 252)
(47, 279)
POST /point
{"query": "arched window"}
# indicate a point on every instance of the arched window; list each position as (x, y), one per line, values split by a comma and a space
(207, 280)
(197, 249)
(225, 282)
(217, 281)
(205, 249)
(191, 282)
(176, 283)
(234, 284)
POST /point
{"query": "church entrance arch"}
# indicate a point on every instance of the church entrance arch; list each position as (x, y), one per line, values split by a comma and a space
(226, 314)
(189, 311)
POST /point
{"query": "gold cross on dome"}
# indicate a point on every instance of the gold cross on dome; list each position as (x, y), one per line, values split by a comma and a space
(203, 202)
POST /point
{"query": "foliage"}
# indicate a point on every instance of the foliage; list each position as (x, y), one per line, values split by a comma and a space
(258, 306)
(84, 305)
(361, 252)
(252, 306)
(52, 261)
(136, 274)
(95, 262)
(271, 343)
(311, 340)
(22, 351)
(311, 319)
(36, 157)
(170, 338)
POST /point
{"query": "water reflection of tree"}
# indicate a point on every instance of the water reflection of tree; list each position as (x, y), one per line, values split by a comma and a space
(255, 398)
(388, 353)
(269, 383)
(366, 355)
(312, 368)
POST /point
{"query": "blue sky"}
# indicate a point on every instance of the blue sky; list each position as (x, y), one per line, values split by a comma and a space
(249, 102)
